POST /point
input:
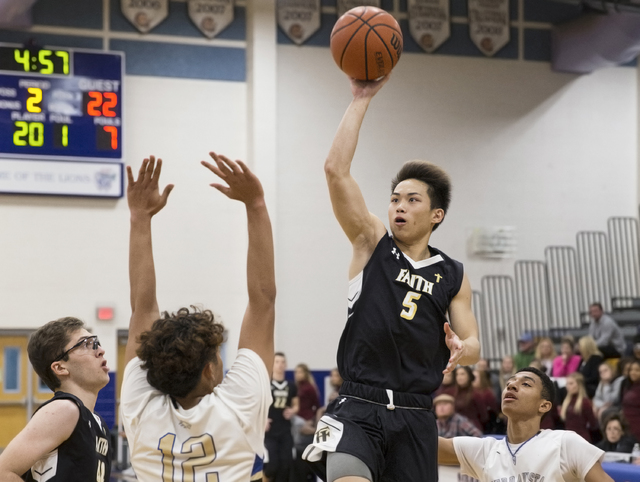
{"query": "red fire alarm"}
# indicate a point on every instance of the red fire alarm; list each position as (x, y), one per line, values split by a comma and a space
(105, 313)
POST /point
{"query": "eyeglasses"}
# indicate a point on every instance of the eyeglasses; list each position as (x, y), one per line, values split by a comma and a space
(88, 342)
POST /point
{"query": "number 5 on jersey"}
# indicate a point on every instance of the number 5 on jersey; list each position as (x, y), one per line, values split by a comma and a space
(409, 302)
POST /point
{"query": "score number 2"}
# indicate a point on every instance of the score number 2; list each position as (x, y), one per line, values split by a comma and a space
(199, 451)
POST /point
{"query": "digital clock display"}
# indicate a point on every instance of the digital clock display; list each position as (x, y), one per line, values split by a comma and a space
(41, 61)
(60, 104)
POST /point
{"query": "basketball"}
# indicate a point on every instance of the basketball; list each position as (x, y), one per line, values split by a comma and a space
(366, 43)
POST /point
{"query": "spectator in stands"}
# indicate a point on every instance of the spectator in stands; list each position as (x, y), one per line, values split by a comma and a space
(526, 351)
(545, 353)
(635, 348)
(630, 398)
(608, 391)
(450, 423)
(336, 382)
(591, 360)
(507, 370)
(483, 366)
(606, 332)
(567, 362)
(468, 403)
(615, 435)
(447, 386)
(308, 404)
(485, 394)
(576, 411)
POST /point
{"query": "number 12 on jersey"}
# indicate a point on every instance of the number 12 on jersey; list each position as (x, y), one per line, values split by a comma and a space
(195, 452)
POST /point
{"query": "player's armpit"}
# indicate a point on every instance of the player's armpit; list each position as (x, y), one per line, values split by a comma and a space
(464, 323)
(48, 428)
(446, 452)
(597, 474)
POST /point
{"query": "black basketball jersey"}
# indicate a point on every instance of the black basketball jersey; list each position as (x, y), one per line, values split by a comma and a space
(84, 457)
(394, 337)
(283, 393)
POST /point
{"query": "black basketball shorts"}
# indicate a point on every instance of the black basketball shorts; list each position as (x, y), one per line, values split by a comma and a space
(397, 439)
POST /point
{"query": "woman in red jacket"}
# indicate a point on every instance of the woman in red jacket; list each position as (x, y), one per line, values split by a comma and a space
(630, 398)
(576, 411)
(468, 403)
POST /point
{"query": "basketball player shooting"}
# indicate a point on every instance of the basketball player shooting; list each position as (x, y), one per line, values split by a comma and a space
(182, 419)
(397, 343)
(526, 452)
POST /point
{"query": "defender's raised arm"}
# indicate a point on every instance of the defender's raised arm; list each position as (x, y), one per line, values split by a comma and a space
(145, 201)
(258, 322)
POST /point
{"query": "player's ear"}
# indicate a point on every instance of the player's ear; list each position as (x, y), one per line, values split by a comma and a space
(545, 406)
(437, 216)
(59, 369)
(209, 371)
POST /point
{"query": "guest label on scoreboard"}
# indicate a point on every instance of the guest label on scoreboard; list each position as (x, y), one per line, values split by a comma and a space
(60, 104)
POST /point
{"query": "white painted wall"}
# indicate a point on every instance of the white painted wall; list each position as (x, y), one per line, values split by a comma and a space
(548, 153)
(63, 257)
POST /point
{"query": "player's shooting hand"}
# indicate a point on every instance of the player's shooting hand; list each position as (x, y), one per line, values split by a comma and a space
(367, 88)
(143, 194)
(243, 185)
(456, 347)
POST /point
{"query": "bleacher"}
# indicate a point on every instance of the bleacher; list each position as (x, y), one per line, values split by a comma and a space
(552, 297)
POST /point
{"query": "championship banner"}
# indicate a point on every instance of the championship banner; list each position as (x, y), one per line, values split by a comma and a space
(346, 5)
(211, 16)
(489, 24)
(429, 23)
(145, 14)
(299, 19)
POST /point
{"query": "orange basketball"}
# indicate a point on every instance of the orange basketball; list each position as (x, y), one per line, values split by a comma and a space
(366, 43)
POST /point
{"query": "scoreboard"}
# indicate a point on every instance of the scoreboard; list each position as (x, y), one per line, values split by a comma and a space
(61, 110)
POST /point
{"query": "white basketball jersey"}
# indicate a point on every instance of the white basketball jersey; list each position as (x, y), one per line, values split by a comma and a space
(221, 438)
(552, 456)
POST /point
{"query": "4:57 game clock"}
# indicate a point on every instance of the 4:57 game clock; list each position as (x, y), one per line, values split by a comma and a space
(60, 103)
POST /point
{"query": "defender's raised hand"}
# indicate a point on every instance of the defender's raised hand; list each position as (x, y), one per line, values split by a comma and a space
(143, 194)
(243, 185)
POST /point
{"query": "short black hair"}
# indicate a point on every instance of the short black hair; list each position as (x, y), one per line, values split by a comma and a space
(436, 179)
(548, 391)
(597, 304)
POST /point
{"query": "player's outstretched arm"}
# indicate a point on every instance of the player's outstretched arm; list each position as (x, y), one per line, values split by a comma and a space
(363, 229)
(462, 340)
(48, 428)
(597, 474)
(145, 200)
(446, 452)
(256, 332)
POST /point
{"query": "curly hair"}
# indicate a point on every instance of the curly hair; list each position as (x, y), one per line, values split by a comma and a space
(178, 347)
(47, 343)
(436, 179)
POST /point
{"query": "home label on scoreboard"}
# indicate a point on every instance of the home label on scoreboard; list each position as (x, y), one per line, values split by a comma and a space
(57, 107)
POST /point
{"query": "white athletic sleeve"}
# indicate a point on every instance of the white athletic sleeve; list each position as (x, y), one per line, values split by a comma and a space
(135, 394)
(577, 456)
(471, 454)
(246, 389)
